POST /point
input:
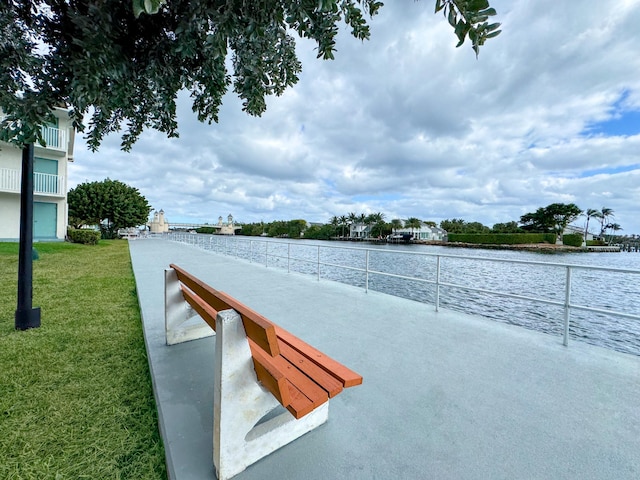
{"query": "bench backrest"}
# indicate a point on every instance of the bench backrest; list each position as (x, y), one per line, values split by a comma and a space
(297, 374)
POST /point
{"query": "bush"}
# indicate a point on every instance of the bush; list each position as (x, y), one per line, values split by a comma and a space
(596, 243)
(87, 237)
(502, 238)
(206, 230)
(572, 239)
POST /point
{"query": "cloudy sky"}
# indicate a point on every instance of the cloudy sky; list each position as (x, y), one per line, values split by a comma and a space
(408, 125)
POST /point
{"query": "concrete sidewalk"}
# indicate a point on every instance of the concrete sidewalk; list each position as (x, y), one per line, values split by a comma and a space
(445, 395)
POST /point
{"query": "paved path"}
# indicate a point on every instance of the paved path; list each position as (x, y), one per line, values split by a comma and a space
(445, 395)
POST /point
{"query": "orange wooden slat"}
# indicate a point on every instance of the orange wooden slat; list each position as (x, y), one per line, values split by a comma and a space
(271, 377)
(298, 379)
(258, 328)
(348, 377)
(300, 405)
(207, 313)
(326, 381)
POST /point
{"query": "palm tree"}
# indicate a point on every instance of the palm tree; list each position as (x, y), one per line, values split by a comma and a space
(605, 213)
(335, 223)
(396, 224)
(615, 227)
(591, 213)
(412, 223)
(343, 222)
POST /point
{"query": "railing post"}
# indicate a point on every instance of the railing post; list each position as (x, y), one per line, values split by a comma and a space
(250, 251)
(318, 262)
(266, 254)
(288, 258)
(567, 312)
(366, 281)
(437, 282)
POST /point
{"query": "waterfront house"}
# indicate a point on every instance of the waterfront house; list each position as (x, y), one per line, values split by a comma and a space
(359, 230)
(50, 210)
(427, 233)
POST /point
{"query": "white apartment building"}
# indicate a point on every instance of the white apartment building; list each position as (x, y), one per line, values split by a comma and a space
(50, 210)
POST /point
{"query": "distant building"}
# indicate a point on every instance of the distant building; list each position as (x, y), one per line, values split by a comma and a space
(50, 211)
(425, 233)
(159, 224)
(227, 228)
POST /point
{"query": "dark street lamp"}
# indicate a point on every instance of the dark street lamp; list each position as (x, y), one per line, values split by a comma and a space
(26, 316)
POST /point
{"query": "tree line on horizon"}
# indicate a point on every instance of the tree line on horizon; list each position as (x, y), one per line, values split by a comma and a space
(553, 218)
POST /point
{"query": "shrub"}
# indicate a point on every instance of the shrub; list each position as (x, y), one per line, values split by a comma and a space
(87, 237)
(207, 230)
(502, 238)
(596, 243)
(572, 239)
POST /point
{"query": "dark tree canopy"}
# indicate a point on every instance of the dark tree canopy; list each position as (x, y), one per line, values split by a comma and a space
(124, 62)
(550, 219)
(110, 204)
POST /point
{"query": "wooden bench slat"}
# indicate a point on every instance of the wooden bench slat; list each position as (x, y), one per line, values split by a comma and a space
(300, 405)
(348, 377)
(298, 379)
(207, 313)
(257, 327)
(271, 377)
(326, 381)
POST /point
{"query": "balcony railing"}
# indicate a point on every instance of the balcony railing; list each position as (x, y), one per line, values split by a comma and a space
(43, 183)
(55, 138)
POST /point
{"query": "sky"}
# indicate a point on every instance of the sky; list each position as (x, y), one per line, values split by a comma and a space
(408, 125)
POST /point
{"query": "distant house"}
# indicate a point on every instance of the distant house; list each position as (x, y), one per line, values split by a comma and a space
(573, 230)
(425, 233)
(359, 230)
(50, 182)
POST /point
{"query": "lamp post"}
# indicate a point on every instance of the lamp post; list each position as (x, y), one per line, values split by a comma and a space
(26, 316)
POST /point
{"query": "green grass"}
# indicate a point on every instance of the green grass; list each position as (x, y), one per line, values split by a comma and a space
(76, 400)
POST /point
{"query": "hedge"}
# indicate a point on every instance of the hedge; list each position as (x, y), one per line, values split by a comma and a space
(502, 238)
(572, 239)
(88, 237)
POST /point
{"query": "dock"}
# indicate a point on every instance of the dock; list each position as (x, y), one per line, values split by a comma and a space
(445, 395)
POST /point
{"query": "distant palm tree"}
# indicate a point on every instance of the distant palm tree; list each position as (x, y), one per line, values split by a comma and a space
(412, 223)
(343, 222)
(396, 224)
(591, 213)
(335, 223)
(605, 214)
(615, 227)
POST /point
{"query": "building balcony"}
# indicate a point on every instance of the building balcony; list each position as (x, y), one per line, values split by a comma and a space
(56, 139)
(44, 184)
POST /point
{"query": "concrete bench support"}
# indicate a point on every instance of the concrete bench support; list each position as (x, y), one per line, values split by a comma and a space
(240, 402)
(178, 314)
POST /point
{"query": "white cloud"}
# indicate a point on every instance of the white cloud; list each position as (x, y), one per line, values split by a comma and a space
(409, 125)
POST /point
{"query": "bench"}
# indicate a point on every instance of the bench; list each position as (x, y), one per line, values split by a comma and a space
(259, 368)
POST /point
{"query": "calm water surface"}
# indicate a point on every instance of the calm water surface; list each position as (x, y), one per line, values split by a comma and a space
(593, 288)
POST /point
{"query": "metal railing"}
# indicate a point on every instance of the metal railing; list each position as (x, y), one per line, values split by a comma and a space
(279, 254)
(55, 138)
(43, 183)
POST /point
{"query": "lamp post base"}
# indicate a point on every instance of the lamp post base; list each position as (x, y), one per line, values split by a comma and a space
(27, 318)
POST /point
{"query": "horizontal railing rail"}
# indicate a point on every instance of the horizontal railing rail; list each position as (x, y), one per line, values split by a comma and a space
(277, 253)
(43, 183)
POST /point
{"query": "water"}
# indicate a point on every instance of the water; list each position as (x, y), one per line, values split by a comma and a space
(346, 263)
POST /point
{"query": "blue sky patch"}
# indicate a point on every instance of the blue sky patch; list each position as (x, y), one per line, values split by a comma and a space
(609, 171)
(623, 122)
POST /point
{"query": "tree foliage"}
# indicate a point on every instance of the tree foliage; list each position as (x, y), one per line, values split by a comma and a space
(553, 218)
(123, 62)
(110, 204)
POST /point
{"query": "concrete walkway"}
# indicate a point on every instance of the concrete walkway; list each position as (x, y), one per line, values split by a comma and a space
(445, 395)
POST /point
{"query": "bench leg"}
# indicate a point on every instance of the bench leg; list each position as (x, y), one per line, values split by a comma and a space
(240, 402)
(177, 314)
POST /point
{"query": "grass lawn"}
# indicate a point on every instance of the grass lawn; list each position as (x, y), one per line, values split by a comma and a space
(75, 394)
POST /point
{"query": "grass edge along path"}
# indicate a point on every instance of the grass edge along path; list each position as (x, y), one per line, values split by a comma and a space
(76, 399)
